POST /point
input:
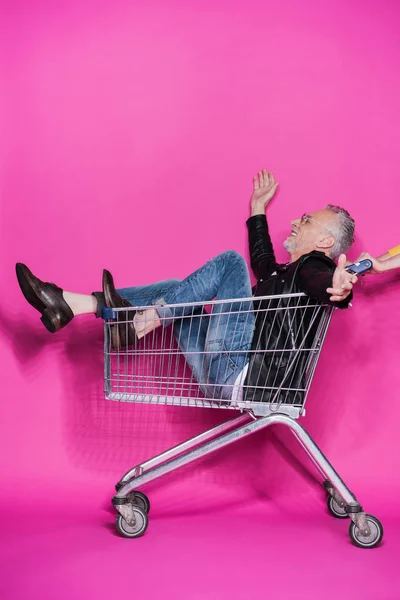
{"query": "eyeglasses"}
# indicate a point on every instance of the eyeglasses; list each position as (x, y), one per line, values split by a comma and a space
(307, 219)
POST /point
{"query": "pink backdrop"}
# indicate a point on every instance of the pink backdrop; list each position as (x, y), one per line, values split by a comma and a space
(129, 138)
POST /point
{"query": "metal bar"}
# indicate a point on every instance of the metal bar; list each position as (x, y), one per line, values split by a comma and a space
(317, 456)
(321, 335)
(107, 359)
(187, 445)
(213, 302)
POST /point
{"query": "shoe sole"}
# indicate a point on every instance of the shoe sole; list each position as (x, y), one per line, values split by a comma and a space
(50, 321)
(108, 282)
(119, 333)
(26, 280)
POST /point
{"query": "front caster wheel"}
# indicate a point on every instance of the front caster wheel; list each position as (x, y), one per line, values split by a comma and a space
(370, 541)
(335, 509)
(136, 530)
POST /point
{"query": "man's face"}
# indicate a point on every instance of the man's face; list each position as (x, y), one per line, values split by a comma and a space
(313, 231)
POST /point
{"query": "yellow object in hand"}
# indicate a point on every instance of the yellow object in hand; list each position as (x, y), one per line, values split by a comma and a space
(394, 251)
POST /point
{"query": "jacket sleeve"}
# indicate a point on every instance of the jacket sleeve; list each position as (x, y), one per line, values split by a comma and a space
(314, 277)
(262, 258)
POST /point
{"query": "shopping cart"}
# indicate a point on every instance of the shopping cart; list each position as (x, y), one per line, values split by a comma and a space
(272, 388)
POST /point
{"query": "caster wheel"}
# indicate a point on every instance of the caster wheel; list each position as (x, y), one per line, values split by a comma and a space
(335, 509)
(370, 541)
(138, 529)
(141, 500)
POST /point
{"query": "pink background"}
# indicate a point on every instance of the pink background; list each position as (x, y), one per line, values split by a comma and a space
(129, 136)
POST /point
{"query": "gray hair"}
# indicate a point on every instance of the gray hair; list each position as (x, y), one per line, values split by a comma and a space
(343, 231)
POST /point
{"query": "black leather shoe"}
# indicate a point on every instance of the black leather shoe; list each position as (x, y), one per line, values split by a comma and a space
(122, 334)
(46, 297)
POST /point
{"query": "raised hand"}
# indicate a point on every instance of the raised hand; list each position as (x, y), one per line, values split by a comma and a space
(342, 282)
(264, 188)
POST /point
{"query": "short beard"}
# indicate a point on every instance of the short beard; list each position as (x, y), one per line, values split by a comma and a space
(290, 245)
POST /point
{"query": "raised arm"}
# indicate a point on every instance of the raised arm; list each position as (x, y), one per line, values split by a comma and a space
(262, 256)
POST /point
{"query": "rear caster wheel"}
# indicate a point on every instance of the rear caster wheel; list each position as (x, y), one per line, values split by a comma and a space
(133, 531)
(140, 499)
(370, 541)
(335, 509)
(135, 497)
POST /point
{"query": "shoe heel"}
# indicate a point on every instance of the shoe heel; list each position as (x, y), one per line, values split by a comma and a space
(50, 321)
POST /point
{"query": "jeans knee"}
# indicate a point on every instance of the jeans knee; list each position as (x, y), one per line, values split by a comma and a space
(233, 257)
(168, 284)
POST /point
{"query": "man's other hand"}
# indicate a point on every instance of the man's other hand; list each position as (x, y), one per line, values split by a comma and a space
(342, 282)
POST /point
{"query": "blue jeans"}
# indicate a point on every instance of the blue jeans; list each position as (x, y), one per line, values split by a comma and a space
(215, 347)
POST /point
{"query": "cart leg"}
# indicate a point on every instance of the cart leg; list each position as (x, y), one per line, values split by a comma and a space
(318, 458)
(164, 466)
(333, 482)
(186, 446)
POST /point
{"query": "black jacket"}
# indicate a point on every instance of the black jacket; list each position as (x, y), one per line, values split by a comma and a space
(282, 332)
